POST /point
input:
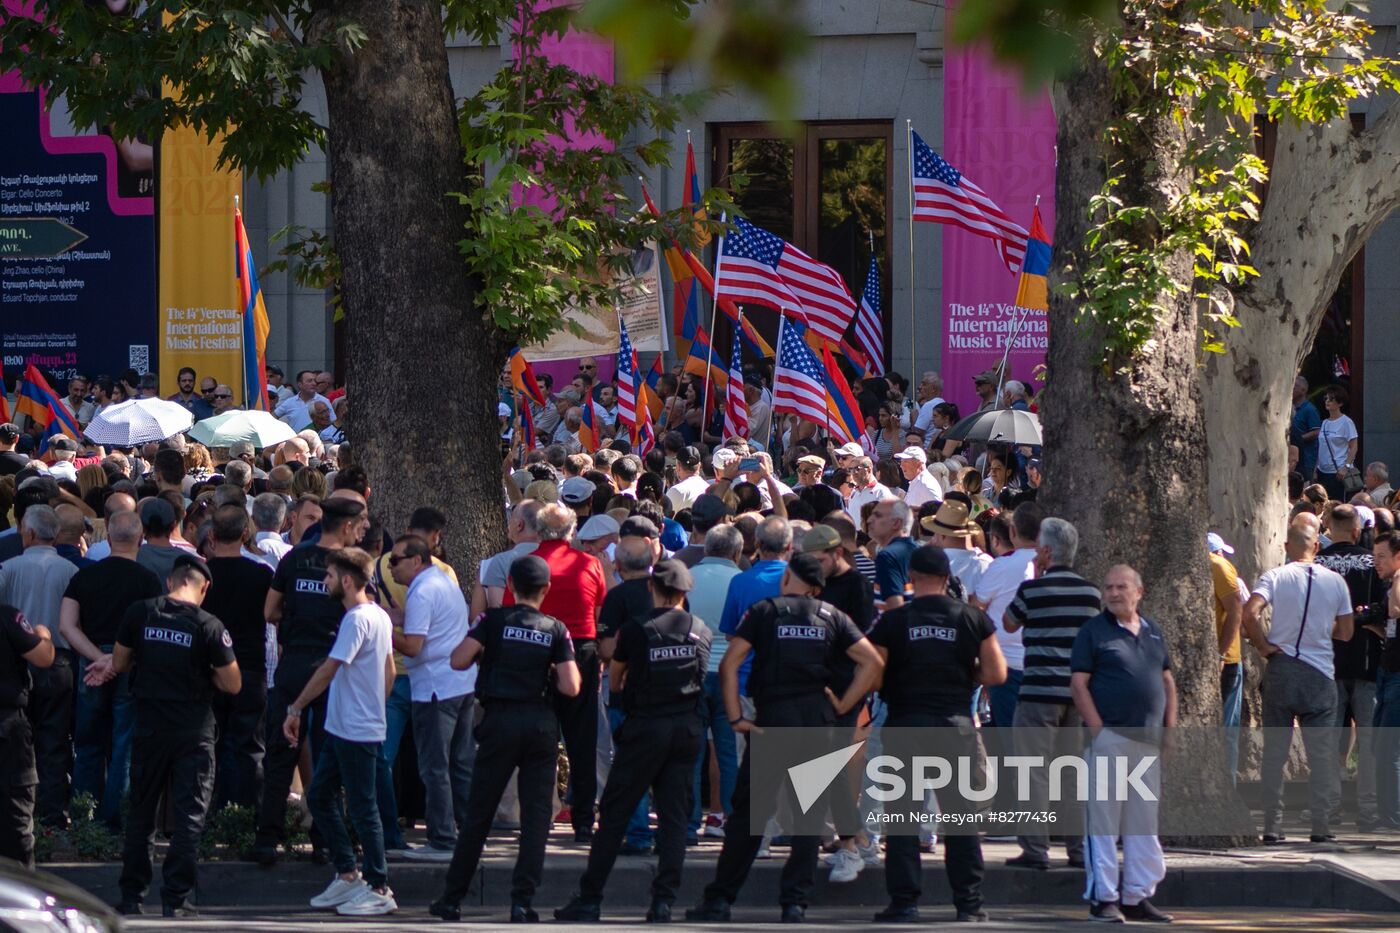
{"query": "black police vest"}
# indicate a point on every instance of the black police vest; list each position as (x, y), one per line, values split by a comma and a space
(796, 650)
(936, 662)
(672, 678)
(515, 656)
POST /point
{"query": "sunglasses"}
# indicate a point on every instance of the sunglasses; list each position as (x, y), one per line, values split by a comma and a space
(224, 395)
(396, 559)
(206, 391)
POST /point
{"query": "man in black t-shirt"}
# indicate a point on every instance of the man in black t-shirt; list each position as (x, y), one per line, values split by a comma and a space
(21, 644)
(179, 655)
(518, 647)
(93, 605)
(937, 650)
(237, 598)
(307, 619)
(795, 639)
(1381, 621)
(10, 461)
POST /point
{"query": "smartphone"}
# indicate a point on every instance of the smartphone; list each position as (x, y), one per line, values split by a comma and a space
(748, 464)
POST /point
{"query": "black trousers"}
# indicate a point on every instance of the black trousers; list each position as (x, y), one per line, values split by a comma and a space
(740, 849)
(656, 753)
(510, 736)
(17, 780)
(175, 762)
(578, 720)
(280, 758)
(962, 860)
(239, 753)
(51, 714)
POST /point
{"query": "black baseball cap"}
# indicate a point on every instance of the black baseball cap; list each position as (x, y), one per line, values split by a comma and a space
(529, 572)
(673, 575)
(808, 569)
(9, 432)
(189, 560)
(931, 561)
(638, 526)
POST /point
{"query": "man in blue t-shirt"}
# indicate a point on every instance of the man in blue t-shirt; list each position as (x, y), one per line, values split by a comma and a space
(889, 524)
(1302, 431)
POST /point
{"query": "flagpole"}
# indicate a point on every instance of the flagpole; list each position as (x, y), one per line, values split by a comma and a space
(913, 321)
(777, 353)
(714, 311)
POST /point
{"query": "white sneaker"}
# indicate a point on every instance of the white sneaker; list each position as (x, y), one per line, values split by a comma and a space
(870, 854)
(338, 892)
(846, 867)
(831, 859)
(369, 903)
(428, 854)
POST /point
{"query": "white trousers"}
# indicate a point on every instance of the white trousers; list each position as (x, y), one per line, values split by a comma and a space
(1134, 820)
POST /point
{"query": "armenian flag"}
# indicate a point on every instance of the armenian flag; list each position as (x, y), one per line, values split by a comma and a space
(587, 431)
(37, 399)
(527, 423)
(522, 378)
(703, 361)
(1032, 291)
(255, 323)
(754, 339)
(4, 400)
(843, 414)
(650, 390)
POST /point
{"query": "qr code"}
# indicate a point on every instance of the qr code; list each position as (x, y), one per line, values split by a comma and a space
(138, 357)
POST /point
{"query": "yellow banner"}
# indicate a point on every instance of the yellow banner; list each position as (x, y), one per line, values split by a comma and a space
(200, 323)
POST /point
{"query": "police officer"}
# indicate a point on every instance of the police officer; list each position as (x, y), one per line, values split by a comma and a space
(178, 655)
(517, 647)
(658, 667)
(937, 650)
(21, 644)
(795, 639)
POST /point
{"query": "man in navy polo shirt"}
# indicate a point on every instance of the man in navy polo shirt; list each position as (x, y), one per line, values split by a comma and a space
(1121, 682)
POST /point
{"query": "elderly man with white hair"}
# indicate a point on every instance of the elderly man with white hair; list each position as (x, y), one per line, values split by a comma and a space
(1014, 395)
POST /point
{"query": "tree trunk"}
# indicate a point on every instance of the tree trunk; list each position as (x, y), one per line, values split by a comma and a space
(1125, 450)
(422, 362)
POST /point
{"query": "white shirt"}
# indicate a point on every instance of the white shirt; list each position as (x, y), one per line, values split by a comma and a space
(922, 488)
(297, 413)
(436, 609)
(99, 550)
(968, 565)
(273, 547)
(925, 417)
(1286, 589)
(606, 416)
(875, 492)
(997, 587)
(684, 493)
(1332, 440)
(355, 711)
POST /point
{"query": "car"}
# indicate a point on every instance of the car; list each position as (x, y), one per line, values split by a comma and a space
(38, 902)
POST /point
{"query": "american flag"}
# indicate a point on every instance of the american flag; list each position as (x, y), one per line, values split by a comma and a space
(943, 196)
(627, 378)
(798, 386)
(869, 329)
(756, 266)
(736, 407)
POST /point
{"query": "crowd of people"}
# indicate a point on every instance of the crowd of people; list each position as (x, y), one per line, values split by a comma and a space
(225, 623)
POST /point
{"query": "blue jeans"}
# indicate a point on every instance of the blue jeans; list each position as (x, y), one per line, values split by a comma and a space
(106, 719)
(1231, 703)
(1387, 748)
(349, 765)
(639, 832)
(715, 720)
(1003, 698)
(398, 709)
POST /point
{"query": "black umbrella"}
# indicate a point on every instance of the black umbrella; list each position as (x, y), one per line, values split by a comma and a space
(998, 426)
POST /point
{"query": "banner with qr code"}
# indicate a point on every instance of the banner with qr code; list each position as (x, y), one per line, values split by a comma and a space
(77, 243)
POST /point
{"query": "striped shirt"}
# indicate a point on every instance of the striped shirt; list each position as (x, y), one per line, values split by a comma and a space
(1050, 609)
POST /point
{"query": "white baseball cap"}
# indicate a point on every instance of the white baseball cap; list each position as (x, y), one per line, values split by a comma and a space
(850, 450)
(912, 453)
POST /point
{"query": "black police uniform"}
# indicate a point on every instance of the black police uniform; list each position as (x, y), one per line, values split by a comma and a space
(306, 632)
(796, 643)
(666, 658)
(175, 647)
(18, 773)
(518, 729)
(933, 644)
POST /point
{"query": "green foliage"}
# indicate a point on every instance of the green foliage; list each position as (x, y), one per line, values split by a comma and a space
(85, 839)
(229, 832)
(1205, 71)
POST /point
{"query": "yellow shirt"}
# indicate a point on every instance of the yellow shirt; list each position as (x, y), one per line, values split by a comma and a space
(1224, 582)
(391, 594)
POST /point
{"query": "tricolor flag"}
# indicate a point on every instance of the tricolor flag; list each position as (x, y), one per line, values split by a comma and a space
(588, 432)
(1033, 291)
(522, 378)
(255, 323)
(843, 413)
(527, 422)
(37, 399)
(869, 329)
(736, 407)
(759, 267)
(943, 196)
(651, 390)
(703, 361)
(4, 400)
(690, 197)
(754, 339)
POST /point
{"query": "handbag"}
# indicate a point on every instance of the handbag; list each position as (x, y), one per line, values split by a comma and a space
(1350, 479)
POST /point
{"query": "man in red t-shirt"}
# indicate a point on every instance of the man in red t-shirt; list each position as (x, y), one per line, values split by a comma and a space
(576, 591)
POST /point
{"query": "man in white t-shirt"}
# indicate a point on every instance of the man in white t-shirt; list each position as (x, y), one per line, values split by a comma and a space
(930, 397)
(868, 489)
(359, 673)
(1311, 607)
(435, 620)
(689, 485)
(922, 486)
(952, 530)
(995, 589)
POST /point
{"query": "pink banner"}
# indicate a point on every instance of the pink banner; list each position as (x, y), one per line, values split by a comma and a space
(1004, 142)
